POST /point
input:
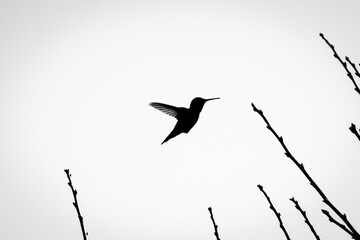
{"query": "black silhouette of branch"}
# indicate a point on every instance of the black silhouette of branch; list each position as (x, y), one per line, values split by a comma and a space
(75, 203)
(353, 66)
(215, 226)
(343, 217)
(331, 219)
(277, 214)
(303, 213)
(343, 63)
(354, 131)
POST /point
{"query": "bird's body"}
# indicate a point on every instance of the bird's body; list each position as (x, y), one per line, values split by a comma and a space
(187, 117)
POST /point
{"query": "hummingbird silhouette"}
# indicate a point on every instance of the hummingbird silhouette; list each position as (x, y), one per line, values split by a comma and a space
(186, 117)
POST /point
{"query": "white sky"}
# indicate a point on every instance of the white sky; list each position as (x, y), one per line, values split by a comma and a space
(75, 82)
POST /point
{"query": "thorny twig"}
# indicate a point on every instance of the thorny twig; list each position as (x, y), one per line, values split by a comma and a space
(214, 224)
(277, 214)
(343, 63)
(331, 219)
(303, 213)
(354, 131)
(76, 205)
(343, 217)
(353, 66)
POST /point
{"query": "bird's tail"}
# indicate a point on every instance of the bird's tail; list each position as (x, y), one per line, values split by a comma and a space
(173, 134)
(166, 139)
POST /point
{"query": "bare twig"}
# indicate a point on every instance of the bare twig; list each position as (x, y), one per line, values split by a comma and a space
(215, 226)
(303, 213)
(76, 205)
(343, 63)
(331, 219)
(354, 131)
(277, 214)
(353, 66)
(343, 217)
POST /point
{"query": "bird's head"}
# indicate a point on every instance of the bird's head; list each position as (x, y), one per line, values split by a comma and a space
(198, 103)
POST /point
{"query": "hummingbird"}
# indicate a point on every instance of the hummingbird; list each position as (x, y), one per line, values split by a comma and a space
(186, 117)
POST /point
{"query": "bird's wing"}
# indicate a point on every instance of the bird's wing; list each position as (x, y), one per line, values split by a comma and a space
(168, 109)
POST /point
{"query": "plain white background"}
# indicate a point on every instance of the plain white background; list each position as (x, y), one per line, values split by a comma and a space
(75, 83)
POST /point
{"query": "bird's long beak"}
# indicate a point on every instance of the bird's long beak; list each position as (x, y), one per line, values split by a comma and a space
(212, 99)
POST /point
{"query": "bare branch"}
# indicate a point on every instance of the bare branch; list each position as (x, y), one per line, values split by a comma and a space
(303, 213)
(353, 66)
(343, 217)
(354, 131)
(76, 205)
(343, 63)
(331, 219)
(277, 214)
(215, 226)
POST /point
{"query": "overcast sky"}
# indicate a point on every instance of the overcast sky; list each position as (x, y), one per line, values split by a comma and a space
(76, 79)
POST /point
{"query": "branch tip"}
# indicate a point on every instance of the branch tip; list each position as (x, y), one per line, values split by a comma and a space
(75, 203)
